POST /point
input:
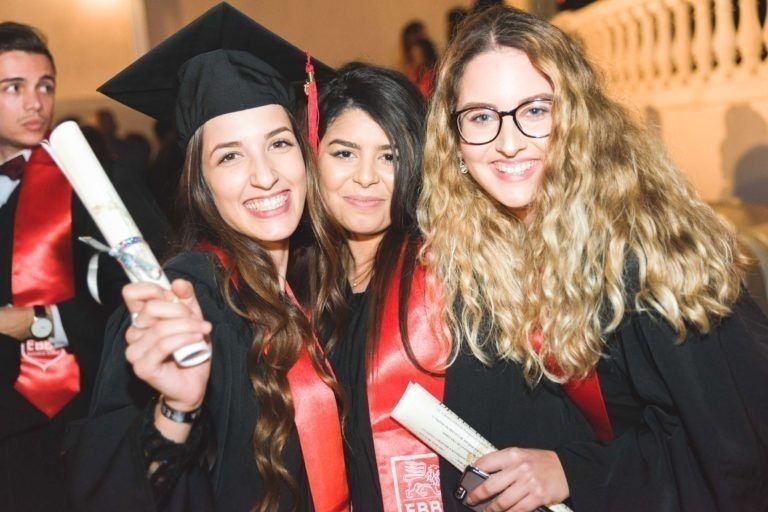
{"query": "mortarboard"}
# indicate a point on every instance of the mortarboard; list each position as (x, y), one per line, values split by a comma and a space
(221, 62)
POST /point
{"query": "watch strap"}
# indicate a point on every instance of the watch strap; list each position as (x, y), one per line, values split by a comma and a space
(39, 311)
(177, 415)
(42, 326)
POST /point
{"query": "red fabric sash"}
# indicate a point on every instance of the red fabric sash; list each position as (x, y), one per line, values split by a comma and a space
(408, 470)
(317, 423)
(42, 272)
(42, 269)
(587, 396)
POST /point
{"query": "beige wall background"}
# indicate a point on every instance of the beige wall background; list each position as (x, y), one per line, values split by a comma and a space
(704, 89)
(90, 40)
(94, 39)
(335, 31)
(715, 135)
(721, 146)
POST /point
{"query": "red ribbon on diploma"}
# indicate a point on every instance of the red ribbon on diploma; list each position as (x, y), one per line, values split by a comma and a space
(42, 272)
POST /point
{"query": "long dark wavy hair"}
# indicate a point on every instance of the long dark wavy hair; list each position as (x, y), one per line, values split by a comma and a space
(281, 329)
(390, 99)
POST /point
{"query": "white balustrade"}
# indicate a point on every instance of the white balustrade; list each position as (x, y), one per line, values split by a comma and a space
(645, 20)
(647, 46)
(681, 51)
(765, 39)
(699, 65)
(724, 38)
(618, 54)
(663, 51)
(632, 60)
(748, 39)
(702, 38)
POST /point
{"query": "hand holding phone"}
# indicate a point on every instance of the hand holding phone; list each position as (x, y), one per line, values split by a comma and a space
(470, 479)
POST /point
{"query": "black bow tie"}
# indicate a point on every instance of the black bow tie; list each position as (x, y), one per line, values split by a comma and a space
(14, 167)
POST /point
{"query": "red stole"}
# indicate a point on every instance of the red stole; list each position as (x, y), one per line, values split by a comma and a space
(408, 470)
(42, 272)
(317, 422)
(587, 396)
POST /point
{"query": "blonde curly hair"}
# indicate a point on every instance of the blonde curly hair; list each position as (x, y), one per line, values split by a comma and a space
(613, 226)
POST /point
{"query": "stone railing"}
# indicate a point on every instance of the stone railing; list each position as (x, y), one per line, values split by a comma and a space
(647, 47)
(697, 70)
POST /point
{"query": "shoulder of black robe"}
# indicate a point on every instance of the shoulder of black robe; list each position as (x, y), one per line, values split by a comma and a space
(701, 440)
(139, 201)
(104, 459)
(497, 402)
(348, 360)
(107, 471)
(82, 317)
(29, 441)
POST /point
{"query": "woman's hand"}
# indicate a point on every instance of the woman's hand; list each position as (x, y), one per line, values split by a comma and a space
(164, 321)
(521, 480)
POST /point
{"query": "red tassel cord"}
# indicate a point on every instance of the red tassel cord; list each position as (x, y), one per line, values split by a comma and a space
(313, 115)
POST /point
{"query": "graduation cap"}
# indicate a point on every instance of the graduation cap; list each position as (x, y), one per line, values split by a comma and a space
(221, 62)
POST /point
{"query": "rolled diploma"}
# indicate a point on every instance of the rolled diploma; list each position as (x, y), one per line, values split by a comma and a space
(442, 430)
(79, 164)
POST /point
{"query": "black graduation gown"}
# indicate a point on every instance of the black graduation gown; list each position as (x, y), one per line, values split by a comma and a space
(495, 401)
(31, 477)
(104, 458)
(347, 360)
(690, 420)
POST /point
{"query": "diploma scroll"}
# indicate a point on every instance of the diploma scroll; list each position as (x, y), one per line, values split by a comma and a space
(440, 428)
(443, 431)
(70, 150)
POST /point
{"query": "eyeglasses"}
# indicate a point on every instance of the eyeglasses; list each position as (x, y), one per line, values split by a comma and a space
(481, 125)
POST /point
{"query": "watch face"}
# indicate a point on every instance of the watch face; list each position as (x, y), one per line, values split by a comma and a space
(41, 328)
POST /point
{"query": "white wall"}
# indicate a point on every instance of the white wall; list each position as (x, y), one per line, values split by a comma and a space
(335, 31)
(704, 84)
(722, 147)
(94, 39)
(91, 40)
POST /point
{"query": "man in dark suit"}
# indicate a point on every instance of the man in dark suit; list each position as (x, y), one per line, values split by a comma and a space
(52, 316)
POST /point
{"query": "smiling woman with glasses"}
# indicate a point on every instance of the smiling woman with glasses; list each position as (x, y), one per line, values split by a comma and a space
(385, 332)
(482, 124)
(568, 244)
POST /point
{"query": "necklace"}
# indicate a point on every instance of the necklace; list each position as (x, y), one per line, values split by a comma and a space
(361, 277)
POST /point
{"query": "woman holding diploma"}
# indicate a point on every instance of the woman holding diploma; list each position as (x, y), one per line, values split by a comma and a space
(237, 432)
(371, 128)
(603, 272)
(386, 330)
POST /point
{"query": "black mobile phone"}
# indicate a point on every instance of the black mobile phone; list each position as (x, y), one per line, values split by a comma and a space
(471, 478)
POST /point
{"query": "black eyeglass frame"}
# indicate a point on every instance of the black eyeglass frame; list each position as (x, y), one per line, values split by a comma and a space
(501, 115)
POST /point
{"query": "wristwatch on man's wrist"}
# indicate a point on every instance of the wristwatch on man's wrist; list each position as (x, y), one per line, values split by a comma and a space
(41, 327)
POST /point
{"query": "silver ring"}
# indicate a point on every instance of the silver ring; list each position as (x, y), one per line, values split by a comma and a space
(134, 317)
